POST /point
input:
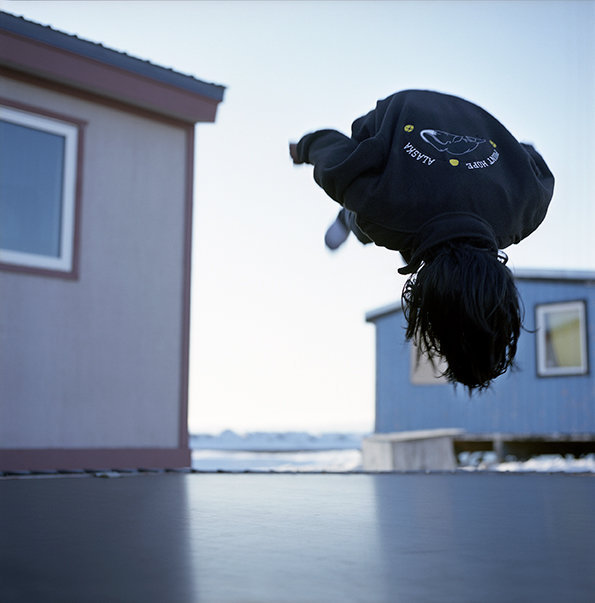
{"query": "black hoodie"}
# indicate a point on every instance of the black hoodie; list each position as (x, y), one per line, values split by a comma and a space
(423, 168)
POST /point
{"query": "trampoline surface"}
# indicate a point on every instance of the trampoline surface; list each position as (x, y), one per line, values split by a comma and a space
(461, 537)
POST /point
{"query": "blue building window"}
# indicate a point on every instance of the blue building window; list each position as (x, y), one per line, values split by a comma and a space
(562, 339)
(37, 190)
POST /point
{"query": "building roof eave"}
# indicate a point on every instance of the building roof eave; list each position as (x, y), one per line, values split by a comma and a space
(560, 275)
(520, 274)
(377, 313)
(55, 56)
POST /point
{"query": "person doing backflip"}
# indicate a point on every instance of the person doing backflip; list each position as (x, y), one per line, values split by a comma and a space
(443, 182)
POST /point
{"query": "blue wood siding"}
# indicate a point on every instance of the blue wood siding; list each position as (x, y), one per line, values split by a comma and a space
(519, 402)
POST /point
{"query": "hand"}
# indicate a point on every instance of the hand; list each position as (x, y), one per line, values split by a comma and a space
(293, 153)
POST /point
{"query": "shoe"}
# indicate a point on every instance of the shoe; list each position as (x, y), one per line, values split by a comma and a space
(336, 234)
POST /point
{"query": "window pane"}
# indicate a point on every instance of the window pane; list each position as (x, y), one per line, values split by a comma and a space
(563, 339)
(31, 184)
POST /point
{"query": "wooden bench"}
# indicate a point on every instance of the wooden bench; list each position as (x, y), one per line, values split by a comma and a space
(428, 450)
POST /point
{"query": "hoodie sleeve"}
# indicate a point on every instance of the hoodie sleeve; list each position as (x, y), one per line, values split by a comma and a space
(340, 162)
(324, 146)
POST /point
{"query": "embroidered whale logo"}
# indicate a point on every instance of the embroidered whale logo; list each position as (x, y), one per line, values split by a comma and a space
(454, 144)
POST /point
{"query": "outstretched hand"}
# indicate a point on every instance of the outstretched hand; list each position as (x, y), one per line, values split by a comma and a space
(293, 153)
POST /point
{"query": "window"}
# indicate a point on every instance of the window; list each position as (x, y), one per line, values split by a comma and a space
(426, 371)
(561, 339)
(38, 173)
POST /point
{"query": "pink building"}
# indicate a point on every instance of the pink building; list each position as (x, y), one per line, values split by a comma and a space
(96, 181)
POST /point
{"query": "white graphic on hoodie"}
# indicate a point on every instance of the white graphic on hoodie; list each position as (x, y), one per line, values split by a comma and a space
(454, 144)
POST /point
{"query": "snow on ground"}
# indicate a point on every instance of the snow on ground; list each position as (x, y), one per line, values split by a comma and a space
(329, 460)
(337, 452)
(277, 451)
(552, 463)
(276, 441)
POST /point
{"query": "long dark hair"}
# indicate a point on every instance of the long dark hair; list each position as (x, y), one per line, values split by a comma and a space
(463, 305)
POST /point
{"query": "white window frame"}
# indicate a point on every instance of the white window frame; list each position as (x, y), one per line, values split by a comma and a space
(541, 310)
(65, 261)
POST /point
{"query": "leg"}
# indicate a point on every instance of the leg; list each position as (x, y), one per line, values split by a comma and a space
(349, 219)
(339, 230)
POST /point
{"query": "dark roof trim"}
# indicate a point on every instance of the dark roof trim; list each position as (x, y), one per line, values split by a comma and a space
(393, 308)
(521, 274)
(528, 274)
(98, 52)
(38, 49)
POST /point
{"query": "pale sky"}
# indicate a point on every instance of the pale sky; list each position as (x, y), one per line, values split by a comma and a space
(279, 339)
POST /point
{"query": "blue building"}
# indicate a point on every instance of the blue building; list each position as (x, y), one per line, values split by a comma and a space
(551, 395)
